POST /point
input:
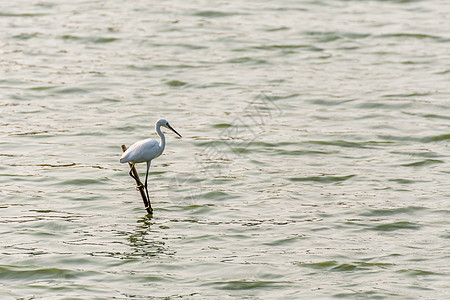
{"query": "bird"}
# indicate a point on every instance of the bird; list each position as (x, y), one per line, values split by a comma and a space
(147, 150)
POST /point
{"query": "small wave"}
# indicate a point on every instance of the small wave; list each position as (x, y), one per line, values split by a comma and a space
(21, 15)
(425, 153)
(70, 90)
(245, 284)
(216, 195)
(176, 83)
(423, 163)
(215, 14)
(342, 143)
(411, 95)
(416, 272)
(436, 116)
(82, 182)
(427, 139)
(272, 29)
(333, 265)
(288, 48)
(284, 241)
(404, 35)
(322, 179)
(26, 36)
(331, 102)
(302, 152)
(436, 138)
(396, 226)
(33, 272)
(247, 60)
(91, 39)
(384, 105)
(403, 181)
(393, 211)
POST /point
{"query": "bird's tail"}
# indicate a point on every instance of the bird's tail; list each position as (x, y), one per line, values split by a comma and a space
(124, 158)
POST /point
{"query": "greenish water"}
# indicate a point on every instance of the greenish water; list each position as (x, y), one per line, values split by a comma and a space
(313, 163)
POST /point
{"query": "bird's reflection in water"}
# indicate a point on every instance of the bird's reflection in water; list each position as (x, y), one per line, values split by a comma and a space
(145, 242)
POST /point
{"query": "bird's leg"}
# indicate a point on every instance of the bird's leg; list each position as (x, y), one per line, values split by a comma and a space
(146, 176)
(132, 176)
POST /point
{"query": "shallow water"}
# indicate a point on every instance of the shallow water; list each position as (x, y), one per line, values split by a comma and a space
(313, 163)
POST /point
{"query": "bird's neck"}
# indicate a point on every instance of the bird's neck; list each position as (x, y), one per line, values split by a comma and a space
(162, 144)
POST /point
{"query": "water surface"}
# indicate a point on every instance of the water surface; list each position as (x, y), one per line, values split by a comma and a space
(313, 163)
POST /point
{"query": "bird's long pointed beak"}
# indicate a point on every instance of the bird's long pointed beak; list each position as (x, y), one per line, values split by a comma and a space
(170, 127)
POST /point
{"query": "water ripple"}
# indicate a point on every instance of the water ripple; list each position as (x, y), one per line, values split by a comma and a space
(315, 146)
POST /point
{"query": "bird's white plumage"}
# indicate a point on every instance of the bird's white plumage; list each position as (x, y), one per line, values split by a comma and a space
(142, 151)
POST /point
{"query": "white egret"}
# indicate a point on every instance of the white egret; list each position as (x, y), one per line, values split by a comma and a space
(147, 150)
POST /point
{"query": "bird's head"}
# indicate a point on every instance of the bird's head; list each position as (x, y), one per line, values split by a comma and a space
(165, 123)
